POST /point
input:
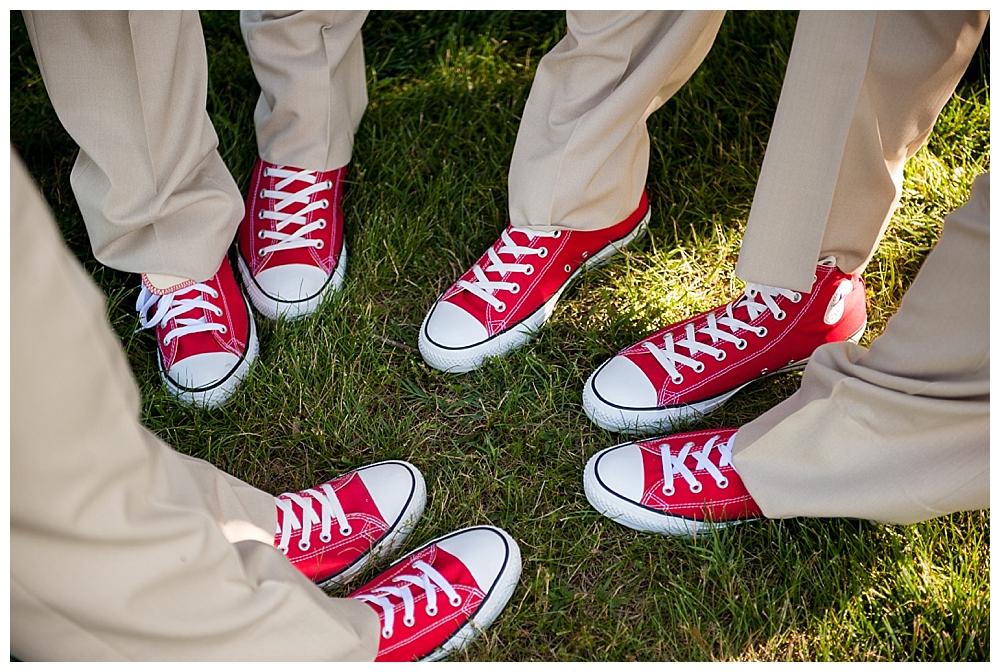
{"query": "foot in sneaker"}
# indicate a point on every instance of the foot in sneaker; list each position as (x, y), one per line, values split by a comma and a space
(438, 598)
(291, 240)
(331, 532)
(206, 337)
(680, 484)
(693, 367)
(507, 296)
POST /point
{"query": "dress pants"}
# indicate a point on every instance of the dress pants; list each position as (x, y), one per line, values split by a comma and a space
(120, 547)
(131, 87)
(896, 434)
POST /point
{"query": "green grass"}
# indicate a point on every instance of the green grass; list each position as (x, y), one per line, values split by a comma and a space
(506, 444)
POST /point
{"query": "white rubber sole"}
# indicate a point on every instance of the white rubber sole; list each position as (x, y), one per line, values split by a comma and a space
(633, 515)
(497, 598)
(634, 421)
(219, 393)
(274, 309)
(468, 358)
(399, 530)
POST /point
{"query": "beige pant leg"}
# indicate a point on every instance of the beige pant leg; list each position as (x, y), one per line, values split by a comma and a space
(898, 433)
(861, 94)
(582, 150)
(311, 70)
(130, 88)
(116, 550)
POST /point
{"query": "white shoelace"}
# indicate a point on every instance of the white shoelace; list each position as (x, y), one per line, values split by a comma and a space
(292, 239)
(484, 287)
(429, 580)
(755, 300)
(330, 509)
(175, 304)
(674, 465)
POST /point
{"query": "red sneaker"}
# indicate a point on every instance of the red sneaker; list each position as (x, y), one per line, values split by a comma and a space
(331, 532)
(680, 484)
(206, 337)
(291, 240)
(692, 367)
(438, 598)
(507, 296)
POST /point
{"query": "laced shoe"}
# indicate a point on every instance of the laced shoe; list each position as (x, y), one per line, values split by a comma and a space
(206, 337)
(498, 304)
(291, 240)
(693, 367)
(438, 598)
(331, 532)
(680, 485)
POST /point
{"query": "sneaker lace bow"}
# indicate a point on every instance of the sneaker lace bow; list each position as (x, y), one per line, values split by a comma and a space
(172, 306)
(722, 326)
(429, 580)
(309, 184)
(673, 465)
(330, 509)
(485, 288)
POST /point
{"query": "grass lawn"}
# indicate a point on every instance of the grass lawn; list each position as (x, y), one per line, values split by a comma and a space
(506, 444)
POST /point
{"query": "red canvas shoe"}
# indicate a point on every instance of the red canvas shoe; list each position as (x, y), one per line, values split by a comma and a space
(291, 240)
(438, 598)
(680, 484)
(206, 336)
(692, 367)
(507, 295)
(331, 532)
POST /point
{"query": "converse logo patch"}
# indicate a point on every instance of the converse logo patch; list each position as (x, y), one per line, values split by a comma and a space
(835, 310)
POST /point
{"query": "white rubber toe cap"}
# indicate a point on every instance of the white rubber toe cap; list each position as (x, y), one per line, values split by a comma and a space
(623, 384)
(204, 370)
(451, 327)
(484, 551)
(291, 282)
(620, 471)
(394, 487)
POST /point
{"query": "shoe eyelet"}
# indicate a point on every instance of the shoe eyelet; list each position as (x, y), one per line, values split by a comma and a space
(225, 329)
(557, 234)
(326, 203)
(720, 356)
(543, 252)
(763, 372)
(678, 380)
(762, 332)
(586, 254)
(346, 531)
(530, 270)
(741, 344)
(267, 172)
(668, 491)
(260, 214)
(261, 253)
(567, 268)
(431, 611)
(326, 537)
(329, 184)
(260, 234)
(780, 316)
(516, 289)
(304, 545)
(386, 633)
(699, 368)
(502, 307)
(409, 621)
(261, 195)
(455, 601)
(796, 297)
(696, 488)
(319, 244)
(723, 484)
(322, 223)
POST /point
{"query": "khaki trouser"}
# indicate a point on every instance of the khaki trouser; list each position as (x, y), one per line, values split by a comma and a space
(131, 87)
(899, 433)
(120, 547)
